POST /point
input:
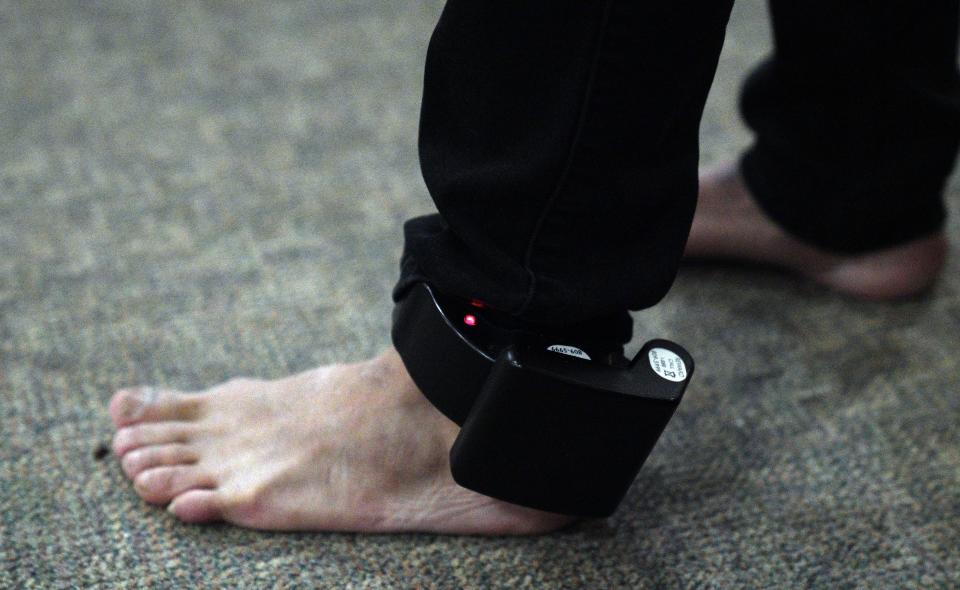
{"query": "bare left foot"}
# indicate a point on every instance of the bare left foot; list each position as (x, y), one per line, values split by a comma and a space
(339, 448)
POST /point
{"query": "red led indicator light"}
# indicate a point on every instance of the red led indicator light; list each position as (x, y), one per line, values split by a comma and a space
(477, 303)
(470, 320)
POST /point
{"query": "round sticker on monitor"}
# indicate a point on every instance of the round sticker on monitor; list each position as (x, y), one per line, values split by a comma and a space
(667, 364)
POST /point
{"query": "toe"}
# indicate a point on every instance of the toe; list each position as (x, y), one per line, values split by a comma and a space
(149, 404)
(139, 460)
(160, 484)
(152, 433)
(197, 506)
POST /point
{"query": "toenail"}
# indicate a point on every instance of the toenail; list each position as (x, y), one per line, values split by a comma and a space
(122, 440)
(130, 459)
(147, 481)
(137, 401)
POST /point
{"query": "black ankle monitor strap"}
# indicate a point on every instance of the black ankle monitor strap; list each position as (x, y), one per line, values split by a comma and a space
(546, 423)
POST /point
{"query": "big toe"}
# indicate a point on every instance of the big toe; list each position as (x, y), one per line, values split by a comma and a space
(150, 404)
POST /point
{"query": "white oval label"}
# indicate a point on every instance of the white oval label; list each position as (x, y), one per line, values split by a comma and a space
(569, 351)
(667, 364)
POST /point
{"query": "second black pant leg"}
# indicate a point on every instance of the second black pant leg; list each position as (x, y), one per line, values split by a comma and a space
(559, 143)
(857, 120)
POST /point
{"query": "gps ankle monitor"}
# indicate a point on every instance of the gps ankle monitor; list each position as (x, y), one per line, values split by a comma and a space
(547, 423)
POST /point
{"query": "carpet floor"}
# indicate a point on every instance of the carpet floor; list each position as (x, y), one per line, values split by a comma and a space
(195, 190)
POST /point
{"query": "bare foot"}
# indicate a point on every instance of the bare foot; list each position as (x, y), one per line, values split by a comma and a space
(728, 224)
(338, 448)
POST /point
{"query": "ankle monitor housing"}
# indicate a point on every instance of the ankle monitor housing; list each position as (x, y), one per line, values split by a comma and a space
(547, 423)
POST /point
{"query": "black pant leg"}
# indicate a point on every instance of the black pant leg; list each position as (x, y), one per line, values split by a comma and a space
(558, 140)
(857, 120)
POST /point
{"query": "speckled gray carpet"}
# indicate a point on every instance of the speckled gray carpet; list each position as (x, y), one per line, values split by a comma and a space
(192, 190)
